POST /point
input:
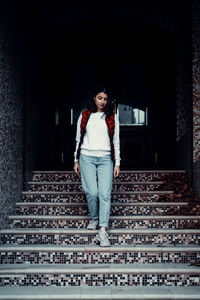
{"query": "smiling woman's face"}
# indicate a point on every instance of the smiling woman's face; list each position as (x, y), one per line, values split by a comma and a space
(101, 100)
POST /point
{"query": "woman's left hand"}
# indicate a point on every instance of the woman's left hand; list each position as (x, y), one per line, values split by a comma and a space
(116, 171)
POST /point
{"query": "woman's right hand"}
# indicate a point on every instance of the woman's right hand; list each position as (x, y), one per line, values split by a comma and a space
(77, 168)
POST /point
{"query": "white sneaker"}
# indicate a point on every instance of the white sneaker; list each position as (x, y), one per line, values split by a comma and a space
(103, 238)
(93, 224)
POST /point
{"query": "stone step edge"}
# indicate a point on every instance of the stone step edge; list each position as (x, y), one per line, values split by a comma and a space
(74, 217)
(157, 204)
(82, 193)
(121, 172)
(96, 248)
(100, 293)
(91, 232)
(157, 268)
(79, 183)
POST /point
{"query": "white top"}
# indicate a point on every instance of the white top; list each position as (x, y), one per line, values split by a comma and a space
(96, 141)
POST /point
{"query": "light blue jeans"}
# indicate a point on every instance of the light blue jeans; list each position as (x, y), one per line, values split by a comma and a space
(97, 178)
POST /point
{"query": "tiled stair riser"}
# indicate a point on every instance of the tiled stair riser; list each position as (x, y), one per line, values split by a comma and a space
(102, 280)
(81, 223)
(83, 210)
(74, 198)
(177, 181)
(78, 187)
(124, 176)
(172, 181)
(115, 239)
(73, 257)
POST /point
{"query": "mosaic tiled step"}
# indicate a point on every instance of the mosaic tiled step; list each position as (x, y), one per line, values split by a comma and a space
(117, 236)
(176, 222)
(100, 275)
(140, 175)
(175, 180)
(100, 293)
(135, 196)
(76, 186)
(93, 254)
(117, 208)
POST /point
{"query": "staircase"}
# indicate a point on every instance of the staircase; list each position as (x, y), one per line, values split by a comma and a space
(47, 253)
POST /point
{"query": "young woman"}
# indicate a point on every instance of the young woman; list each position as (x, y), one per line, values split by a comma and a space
(97, 149)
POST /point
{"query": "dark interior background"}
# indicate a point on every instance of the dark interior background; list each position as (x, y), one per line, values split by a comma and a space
(67, 55)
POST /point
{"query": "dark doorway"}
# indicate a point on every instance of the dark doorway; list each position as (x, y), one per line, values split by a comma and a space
(138, 63)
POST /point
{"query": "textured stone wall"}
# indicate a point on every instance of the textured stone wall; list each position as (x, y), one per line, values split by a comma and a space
(196, 96)
(11, 107)
(184, 90)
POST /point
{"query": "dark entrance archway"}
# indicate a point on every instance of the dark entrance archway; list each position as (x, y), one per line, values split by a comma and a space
(138, 63)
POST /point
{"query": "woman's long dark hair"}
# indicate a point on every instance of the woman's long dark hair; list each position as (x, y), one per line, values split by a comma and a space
(109, 108)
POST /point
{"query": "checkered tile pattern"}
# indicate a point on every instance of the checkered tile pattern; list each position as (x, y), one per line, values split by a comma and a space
(68, 209)
(97, 257)
(116, 210)
(102, 279)
(115, 238)
(113, 223)
(80, 197)
(67, 187)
